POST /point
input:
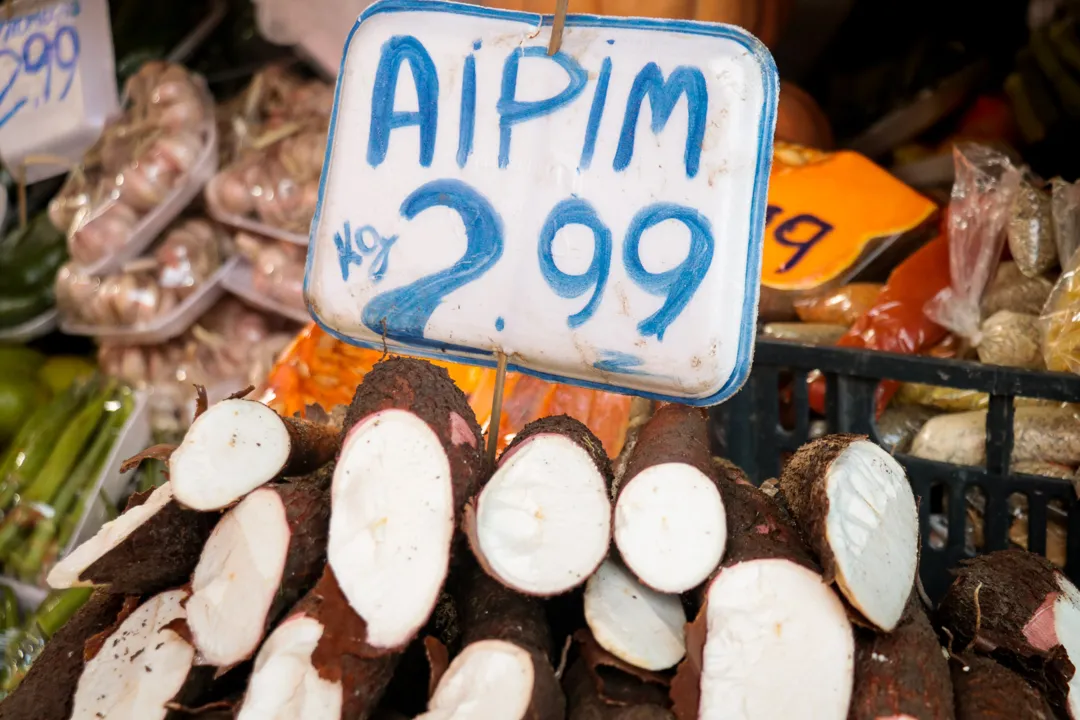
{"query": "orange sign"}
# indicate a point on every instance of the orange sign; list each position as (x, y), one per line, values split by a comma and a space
(825, 209)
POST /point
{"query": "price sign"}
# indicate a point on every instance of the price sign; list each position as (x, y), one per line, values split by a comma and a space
(829, 214)
(57, 83)
(595, 215)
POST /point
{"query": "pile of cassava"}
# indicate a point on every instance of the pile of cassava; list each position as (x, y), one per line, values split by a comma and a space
(375, 566)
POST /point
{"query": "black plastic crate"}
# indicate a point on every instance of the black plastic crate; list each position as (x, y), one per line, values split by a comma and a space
(748, 430)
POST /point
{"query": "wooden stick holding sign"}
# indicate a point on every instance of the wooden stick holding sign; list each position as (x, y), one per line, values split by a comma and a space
(557, 28)
(496, 408)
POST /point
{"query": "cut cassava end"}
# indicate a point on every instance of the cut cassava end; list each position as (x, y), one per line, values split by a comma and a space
(633, 622)
(151, 547)
(264, 554)
(670, 525)
(47, 692)
(142, 666)
(504, 669)
(766, 617)
(584, 702)
(238, 445)
(542, 523)
(410, 460)
(313, 666)
(985, 690)
(853, 503)
(904, 674)
(1016, 606)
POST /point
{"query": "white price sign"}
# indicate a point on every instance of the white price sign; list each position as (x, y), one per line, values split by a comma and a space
(57, 83)
(597, 215)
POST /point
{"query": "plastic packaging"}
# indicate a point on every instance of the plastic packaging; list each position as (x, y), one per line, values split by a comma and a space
(149, 291)
(1008, 338)
(1031, 230)
(842, 306)
(1060, 321)
(143, 172)
(1012, 290)
(982, 197)
(230, 346)
(272, 277)
(273, 185)
(1045, 434)
(899, 425)
(1065, 210)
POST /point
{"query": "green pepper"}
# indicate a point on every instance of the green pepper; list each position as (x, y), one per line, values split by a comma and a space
(17, 309)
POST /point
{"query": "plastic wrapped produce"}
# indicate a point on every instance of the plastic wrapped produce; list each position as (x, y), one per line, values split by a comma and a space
(1045, 434)
(1009, 338)
(1060, 322)
(1031, 230)
(148, 288)
(145, 168)
(899, 424)
(805, 332)
(1065, 210)
(1012, 290)
(277, 268)
(273, 185)
(842, 306)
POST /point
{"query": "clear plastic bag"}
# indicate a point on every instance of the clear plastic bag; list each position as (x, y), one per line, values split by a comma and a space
(143, 170)
(277, 269)
(1012, 339)
(805, 333)
(1012, 290)
(1031, 229)
(1060, 321)
(272, 186)
(982, 195)
(146, 289)
(842, 306)
(1065, 210)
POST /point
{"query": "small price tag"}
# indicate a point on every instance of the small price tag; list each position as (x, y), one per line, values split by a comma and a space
(57, 83)
(828, 212)
(595, 215)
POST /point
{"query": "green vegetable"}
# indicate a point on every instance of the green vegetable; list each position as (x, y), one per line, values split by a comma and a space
(60, 371)
(9, 608)
(25, 458)
(58, 608)
(17, 309)
(19, 397)
(35, 272)
(19, 358)
(23, 647)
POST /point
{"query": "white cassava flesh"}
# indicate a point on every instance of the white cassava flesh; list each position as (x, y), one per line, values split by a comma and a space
(778, 645)
(489, 680)
(284, 683)
(231, 449)
(872, 528)
(670, 526)
(141, 666)
(237, 577)
(391, 524)
(65, 574)
(632, 622)
(544, 518)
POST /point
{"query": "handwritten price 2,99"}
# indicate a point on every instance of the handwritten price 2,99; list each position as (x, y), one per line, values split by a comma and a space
(403, 313)
(39, 54)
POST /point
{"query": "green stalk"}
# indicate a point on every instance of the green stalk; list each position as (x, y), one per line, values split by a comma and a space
(58, 608)
(68, 447)
(28, 458)
(23, 647)
(26, 563)
(9, 608)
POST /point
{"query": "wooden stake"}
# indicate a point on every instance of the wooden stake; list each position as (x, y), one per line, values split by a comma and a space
(496, 408)
(557, 28)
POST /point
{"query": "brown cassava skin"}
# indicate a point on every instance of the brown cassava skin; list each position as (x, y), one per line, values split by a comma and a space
(803, 486)
(342, 652)
(48, 690)
(1012, 585)
(985, 690)
(307, 511)
(428, 392)
(616, 681)
(311, 445)
(902, 673)
(564, 425)
(161, 553)
(584, 702)
(641, 411)
(758, 529)
(491, 611)
(674, 434)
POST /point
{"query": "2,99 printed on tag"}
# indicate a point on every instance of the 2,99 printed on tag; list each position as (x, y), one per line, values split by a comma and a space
(57, 83)
(596, 215)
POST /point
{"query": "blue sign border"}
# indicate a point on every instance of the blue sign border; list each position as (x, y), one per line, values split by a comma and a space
(770, 77)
